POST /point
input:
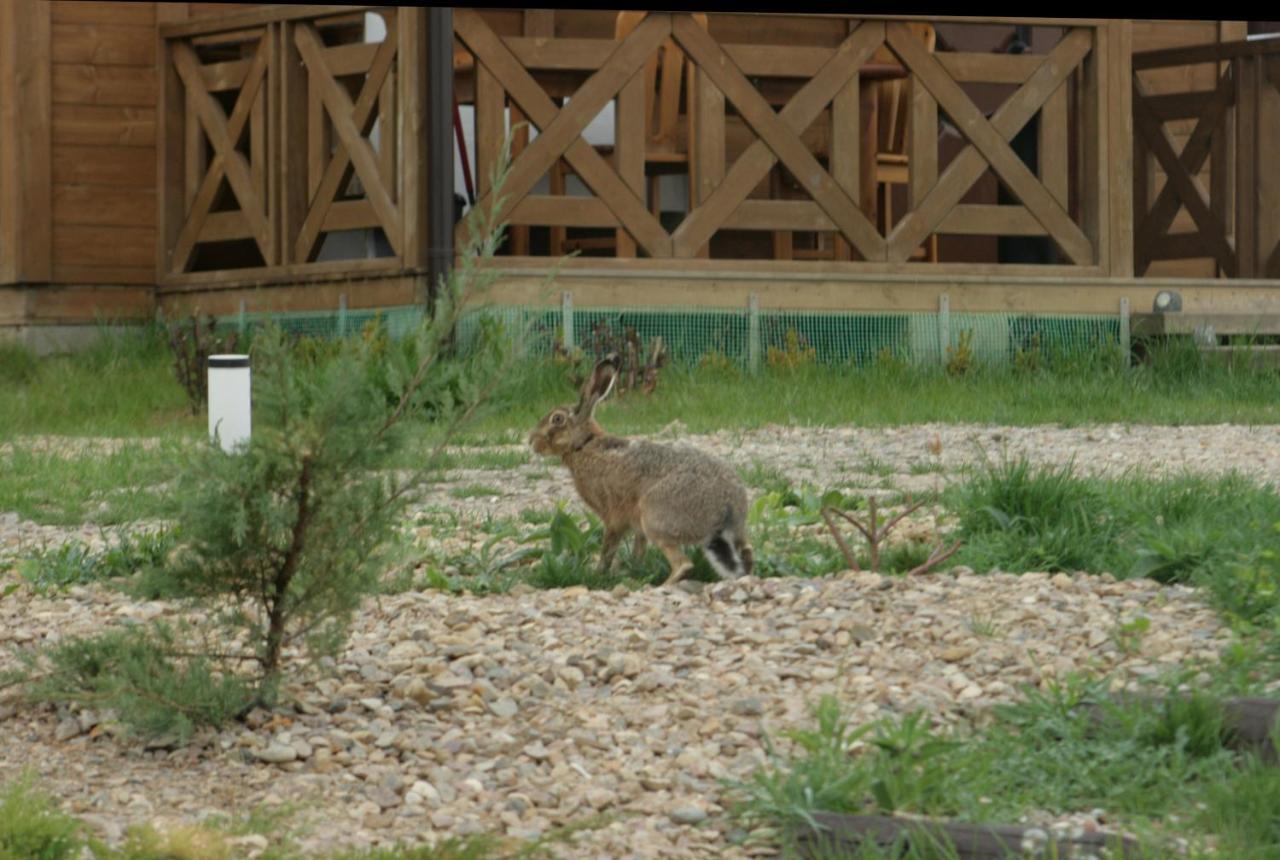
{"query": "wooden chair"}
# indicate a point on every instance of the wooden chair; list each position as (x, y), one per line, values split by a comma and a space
(893, 110)
(668, 74)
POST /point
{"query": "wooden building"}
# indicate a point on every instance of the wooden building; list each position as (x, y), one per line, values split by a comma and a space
(258, 157)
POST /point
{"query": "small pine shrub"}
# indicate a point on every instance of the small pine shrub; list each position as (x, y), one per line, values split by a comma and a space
(136, 672)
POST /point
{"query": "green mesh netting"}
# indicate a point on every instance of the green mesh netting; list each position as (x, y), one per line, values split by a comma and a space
(692, 334)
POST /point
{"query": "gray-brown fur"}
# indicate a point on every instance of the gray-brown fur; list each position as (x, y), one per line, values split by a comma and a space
(671, 495)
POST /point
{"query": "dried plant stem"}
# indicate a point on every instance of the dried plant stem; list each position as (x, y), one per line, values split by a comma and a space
(875, 534)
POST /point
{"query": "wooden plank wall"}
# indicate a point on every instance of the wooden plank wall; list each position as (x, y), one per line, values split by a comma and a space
(103, 58)
(1151, 35)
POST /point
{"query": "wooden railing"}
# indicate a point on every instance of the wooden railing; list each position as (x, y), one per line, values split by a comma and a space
(1074, 90)
(1236, 218)
(267, 121)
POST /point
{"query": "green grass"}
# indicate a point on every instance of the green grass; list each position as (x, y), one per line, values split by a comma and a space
(123, 385)
(1175, 389)
(1218, 532)
(32, 827)
(1148, 767)
(106, 488)
(473, 491)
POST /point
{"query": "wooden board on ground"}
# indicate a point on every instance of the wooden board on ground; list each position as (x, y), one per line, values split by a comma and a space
(841, 832)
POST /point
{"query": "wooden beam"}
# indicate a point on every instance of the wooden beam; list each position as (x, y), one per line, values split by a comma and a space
(629, 144)
(223, 134)
(26, 226)
(1248, 151)
(788, 215)
(783, 140)
(1007, 121)
(267, 14)
(983, 135)
(351, 130)
(835, 286)
(356, 119)
(1268, 223)
(562, 211)
(1159, 217)
(990, 68)
(1119, 166)
(1213, 53)
(1182, 183)
(975, 219)
(849, 833)
(296, 169)
(707, 153)
(755, 162)
(561, 130)
(172, 199)
(226, 161)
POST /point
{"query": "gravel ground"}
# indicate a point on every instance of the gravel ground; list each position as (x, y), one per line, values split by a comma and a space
(523, 712)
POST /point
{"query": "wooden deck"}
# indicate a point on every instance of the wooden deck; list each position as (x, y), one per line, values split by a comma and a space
(229, 156)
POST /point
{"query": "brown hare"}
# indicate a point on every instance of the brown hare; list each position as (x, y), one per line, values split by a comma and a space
(674, 496)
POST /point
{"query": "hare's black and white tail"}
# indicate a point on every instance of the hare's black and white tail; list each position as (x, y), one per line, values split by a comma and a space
(730, 557)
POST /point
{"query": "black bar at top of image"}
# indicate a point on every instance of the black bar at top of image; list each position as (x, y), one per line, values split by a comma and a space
(215, 361)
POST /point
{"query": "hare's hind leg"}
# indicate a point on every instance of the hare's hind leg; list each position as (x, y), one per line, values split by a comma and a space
(639, 546)
(680, 564)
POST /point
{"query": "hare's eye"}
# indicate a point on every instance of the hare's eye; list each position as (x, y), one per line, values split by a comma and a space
(557, 419)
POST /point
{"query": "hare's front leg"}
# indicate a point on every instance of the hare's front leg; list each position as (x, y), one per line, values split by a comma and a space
(612, 537)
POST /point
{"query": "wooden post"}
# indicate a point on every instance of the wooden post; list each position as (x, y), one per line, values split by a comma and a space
(1245, 71)
(292, 116)
(846, 153)
(1126, 344)
(753, 332)
(419, 177)
(944, 326)
(26, 203)
(1092, 132)
(1268, 223)
(438, 140)
(707, 146)
(1119, 133)
(628, 146)
(172, 151)
(566, 311)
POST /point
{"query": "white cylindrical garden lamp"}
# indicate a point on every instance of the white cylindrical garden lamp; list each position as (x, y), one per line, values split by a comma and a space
(229, 400)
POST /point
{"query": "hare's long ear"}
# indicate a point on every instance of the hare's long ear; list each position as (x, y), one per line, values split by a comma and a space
(598, 385)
